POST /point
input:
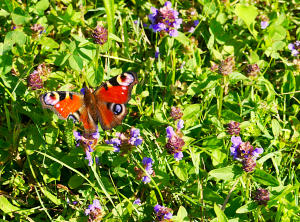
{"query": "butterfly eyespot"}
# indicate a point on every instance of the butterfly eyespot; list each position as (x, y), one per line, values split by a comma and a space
(117, 109)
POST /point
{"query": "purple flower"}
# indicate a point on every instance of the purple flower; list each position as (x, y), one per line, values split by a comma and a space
(135, 138)
(180, 124)
(257, 152)
(196, 22)
(94, 211)
(262, 196)
(100, 35)
(264, 24)
(156, 53)
(176, 112)
(137, 201)
(170, 132)
(146, 179)
(116, 142)
(178, 156)
(165, 19)
(294, 48)
(157, 208)
(89, 157)
(135, 21)
(236, 141)
(34, 80)
(163, 213)
(233, 128)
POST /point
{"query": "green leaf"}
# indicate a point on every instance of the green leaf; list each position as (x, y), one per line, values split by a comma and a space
(264, 178)
(51, 197)
(41, 6)
(248, 15)
(276, 128)
(114, 37)
(180, 171)
(247, 208)
(220, 214)
(235, 77)
(277, 33)
(6, 206)
(226, 173)
(190, 111)
(48, 43)
(182, 39)
(182, 215)
(76, 62)
(75, 181)
(3, 13)
(19, 17)
(289, 83)
(13, 37)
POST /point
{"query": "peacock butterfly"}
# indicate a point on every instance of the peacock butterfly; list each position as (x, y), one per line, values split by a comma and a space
(105, 105)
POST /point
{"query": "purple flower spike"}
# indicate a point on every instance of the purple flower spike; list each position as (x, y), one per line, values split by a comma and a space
(157, 208)
(257, 152)
(170, 132)
(89, 157)
(156, 53)
(180, 124)
(264, 24)
(236, 141)
(147, 160)
(137, 201)
(168, 216)
(178, 156)
(165, 19)
(146, 179)
(291, 46)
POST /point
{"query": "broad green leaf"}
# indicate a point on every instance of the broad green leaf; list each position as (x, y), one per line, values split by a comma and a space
(181, 216)
(220, 214)
(264, 178)
(48, 43)
(218, 157)
(76, 62)
(51, 197)
(19, 17)
(13, 37)
(247, 208)
(235, 77)
(6, 206)
(276, 128)
(277, 33)
(152, 198)
(41, 6)
(75, 181)
(248, 15)
(226, 173)
(182, 39)
(180, 171)
(289, 83)
(190, 111)
(3, 13)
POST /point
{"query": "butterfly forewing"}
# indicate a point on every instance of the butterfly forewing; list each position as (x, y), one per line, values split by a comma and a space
(111, 98)
(64, 104)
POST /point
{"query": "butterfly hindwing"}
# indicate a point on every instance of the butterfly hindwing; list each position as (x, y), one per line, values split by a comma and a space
(111, 98)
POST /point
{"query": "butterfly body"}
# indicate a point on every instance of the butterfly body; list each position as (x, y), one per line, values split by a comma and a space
(105, 105)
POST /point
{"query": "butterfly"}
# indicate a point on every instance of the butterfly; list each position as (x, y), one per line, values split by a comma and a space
(105, 105)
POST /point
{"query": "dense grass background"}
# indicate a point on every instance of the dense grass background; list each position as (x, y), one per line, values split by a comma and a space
(228, 68)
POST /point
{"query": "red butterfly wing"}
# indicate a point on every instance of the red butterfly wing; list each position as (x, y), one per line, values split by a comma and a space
(111, 98)
(64, 104)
